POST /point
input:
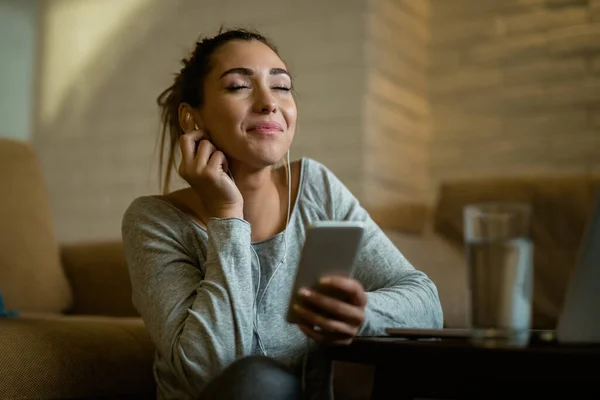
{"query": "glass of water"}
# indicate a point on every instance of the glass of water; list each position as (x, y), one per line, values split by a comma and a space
(500, 271)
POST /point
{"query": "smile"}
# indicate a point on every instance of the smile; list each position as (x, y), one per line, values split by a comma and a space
(266, 128)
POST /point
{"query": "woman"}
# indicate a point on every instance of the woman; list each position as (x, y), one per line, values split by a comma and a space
(212, 265)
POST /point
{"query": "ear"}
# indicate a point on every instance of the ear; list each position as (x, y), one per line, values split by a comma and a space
(187, 120)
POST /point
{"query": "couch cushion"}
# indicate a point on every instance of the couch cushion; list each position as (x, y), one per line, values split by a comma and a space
(99, 279)
(75, 357)
(31, 277)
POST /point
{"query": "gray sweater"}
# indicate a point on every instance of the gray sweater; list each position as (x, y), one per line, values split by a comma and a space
(195, 289)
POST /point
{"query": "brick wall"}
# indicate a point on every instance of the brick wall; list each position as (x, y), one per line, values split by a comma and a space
(515, 87)
(397, 111)
(97, 130)
(394, 95)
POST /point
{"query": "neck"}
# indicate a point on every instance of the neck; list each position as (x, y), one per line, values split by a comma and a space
(262, 200)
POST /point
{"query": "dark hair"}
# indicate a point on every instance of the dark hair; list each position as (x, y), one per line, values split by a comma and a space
(188, 87)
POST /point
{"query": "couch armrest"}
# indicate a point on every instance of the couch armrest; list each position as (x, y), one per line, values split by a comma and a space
(402, 217)
(99, 279)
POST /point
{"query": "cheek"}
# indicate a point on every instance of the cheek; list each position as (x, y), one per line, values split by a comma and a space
(290, 114)
(224, 114)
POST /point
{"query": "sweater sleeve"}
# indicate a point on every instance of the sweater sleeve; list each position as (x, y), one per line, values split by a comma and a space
(197, 311)
(398, 294)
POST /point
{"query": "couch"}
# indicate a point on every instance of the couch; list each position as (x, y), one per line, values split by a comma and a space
(78, 335)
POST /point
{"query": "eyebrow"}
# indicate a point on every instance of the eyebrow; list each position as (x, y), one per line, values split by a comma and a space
(249, 72)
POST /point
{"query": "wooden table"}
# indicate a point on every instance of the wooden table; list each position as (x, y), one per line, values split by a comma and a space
(453, 369)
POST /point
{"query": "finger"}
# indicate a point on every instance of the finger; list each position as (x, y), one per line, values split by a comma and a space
(217, 161)
(326, 324)
(350, 286)
(205, 151)
(316, 336)
(187, 144)
(343, 311)
(319, 336)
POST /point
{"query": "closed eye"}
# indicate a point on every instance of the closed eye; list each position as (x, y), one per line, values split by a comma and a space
(241, 87)
(237, 87)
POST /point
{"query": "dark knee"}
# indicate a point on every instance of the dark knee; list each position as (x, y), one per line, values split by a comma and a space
(257, 367)
(257, 361)
(258, 376)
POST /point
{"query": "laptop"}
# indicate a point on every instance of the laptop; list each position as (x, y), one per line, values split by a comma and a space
(579, 321)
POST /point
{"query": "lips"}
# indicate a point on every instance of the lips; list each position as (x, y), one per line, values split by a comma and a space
(266, 128)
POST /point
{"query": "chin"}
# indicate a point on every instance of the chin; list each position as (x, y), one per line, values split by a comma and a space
(269, 160)
(264, 159)
(266, 156)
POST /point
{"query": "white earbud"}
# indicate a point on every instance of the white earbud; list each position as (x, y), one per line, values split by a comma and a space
(285, 239)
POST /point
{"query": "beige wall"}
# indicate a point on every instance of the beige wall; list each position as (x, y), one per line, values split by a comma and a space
(515, 87)
(105, 61)
(397, 113)
(394, 95)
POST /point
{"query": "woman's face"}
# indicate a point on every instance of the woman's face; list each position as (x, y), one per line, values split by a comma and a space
(249, 111)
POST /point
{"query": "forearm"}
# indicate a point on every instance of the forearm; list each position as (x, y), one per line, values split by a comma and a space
(218, 327)
(197, 309)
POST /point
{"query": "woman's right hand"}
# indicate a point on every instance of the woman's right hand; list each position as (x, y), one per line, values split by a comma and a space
(205, 168)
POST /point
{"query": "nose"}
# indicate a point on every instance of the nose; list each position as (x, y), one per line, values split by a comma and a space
(265, 102)
(268, 108)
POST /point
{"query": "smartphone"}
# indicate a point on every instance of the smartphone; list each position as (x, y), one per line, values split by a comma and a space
(331, 248)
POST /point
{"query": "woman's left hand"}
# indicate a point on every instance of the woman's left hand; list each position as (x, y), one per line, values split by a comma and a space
(330, 320)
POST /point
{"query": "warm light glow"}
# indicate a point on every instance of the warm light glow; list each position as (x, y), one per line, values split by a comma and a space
(74, 33)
